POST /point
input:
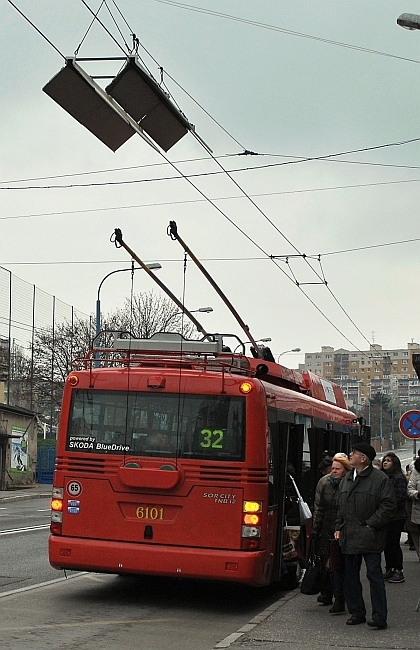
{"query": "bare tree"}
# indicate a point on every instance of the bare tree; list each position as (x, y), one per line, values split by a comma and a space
(40, 372)
(53, 352)
(148, 313)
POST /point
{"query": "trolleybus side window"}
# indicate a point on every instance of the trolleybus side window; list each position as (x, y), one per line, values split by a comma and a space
(166, 424)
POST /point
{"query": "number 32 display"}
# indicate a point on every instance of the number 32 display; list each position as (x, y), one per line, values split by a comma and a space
(212, 439)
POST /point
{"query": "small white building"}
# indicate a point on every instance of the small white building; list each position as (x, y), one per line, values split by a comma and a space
(18, 447)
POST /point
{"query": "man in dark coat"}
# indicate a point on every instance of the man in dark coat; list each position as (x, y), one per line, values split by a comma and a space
(367, 504)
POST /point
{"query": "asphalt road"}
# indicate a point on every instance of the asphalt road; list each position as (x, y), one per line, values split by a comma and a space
(39, 609)
(23, 538)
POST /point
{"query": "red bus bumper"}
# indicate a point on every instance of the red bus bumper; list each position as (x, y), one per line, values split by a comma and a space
(248, 567)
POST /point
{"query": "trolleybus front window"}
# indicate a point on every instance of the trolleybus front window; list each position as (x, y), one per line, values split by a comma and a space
(189, 426)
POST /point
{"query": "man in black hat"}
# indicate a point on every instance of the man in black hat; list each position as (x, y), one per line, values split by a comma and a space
(367, 504)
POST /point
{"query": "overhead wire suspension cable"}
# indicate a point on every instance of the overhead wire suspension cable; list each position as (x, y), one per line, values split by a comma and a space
(225, 171)
(322, 279)
(36, 28)
(283, 30)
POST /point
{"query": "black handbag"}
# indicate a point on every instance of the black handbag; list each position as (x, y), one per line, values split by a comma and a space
(334, 559)
(312, 580)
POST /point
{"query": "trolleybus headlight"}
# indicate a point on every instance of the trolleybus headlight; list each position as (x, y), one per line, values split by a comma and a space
(245, 387)
(55, 528)
(252, 520)
(252, 506)
(57, 508)
(251, 531)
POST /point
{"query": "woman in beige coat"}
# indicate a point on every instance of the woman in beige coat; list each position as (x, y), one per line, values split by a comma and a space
(413, 491)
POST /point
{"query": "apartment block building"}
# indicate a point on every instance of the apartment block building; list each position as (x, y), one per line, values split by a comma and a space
(365, 373)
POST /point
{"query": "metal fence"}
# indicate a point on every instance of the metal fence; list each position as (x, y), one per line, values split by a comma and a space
(25, 312)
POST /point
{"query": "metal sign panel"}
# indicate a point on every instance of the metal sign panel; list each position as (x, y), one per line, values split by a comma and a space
(410, 424)
(80, 96)
(143, 99)
(75, 91)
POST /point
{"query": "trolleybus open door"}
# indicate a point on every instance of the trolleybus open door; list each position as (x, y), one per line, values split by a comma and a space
(286, 446)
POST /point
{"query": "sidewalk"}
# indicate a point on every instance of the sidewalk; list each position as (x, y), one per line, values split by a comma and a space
(36, 491)
(297, 622)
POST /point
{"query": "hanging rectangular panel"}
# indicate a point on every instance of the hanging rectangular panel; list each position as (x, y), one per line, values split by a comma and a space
(142, 98)
(79, 95)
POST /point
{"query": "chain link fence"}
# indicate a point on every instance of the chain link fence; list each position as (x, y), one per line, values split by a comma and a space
(33, 325)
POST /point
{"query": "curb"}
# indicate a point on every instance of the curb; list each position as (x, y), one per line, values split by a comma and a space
(259, 618)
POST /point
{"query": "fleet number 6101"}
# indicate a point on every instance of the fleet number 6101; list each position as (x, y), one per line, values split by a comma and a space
(144, 512)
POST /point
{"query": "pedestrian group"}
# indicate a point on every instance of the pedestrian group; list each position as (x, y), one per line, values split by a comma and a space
(365, 506)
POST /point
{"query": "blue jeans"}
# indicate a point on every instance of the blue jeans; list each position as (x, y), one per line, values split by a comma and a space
(353, 592)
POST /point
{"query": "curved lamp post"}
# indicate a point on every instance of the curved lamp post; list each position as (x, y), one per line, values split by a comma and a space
(152, 266)
(286, 352)
(203, 310)
(409, 21)
(266, 340)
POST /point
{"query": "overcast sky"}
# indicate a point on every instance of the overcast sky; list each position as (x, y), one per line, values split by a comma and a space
(272, 78)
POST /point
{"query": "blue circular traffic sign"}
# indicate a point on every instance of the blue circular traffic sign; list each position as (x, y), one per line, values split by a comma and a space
(410, 424)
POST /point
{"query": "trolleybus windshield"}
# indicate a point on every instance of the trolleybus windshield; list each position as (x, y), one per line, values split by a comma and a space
(163, 424)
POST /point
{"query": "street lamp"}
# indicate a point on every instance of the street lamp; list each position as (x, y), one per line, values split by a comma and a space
(152, 266)
(286, 352)
(409, 21)
(266, 340)
(203, 310)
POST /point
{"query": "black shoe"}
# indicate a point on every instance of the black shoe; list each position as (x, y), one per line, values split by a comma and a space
(388, 573)
(355, 620)
(412, 548)
(338, 607)
(324, 599)
(397, 576)
(379, 623)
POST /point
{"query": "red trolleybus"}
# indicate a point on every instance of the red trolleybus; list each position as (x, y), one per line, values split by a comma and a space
(172, 459)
